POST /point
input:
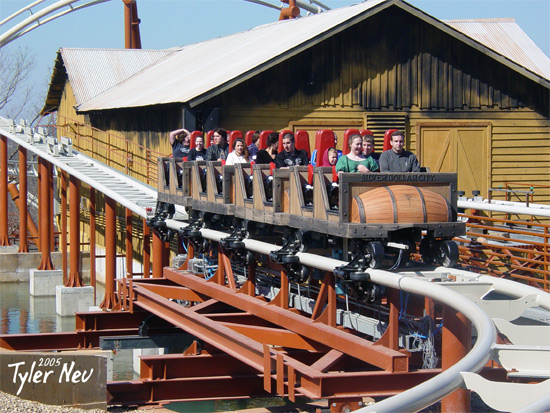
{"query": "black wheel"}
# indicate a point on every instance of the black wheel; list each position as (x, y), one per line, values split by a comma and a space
(236, 244)
(290, 259)
(447, 253)
(375, 254)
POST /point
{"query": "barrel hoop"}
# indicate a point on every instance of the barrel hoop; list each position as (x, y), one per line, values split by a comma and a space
(449, 210)
(361, 209)
(394, 204)
(424, 212)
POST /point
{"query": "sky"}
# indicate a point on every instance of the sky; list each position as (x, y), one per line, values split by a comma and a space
(170, 23)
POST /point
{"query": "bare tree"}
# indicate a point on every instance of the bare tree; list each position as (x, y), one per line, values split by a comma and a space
(15, 93)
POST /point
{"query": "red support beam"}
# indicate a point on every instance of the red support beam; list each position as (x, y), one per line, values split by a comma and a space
(75, 276)
(132, 38)
(129, 246)
(456, 343)
(63, 193)
(110, 300)
(23, 210)
(146, 249)
(92, 240)
(159, 255)
(382, 357)
(45, 215)
(4, 240)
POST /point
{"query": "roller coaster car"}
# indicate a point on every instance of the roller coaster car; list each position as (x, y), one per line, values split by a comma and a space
(384, 214)
(178, 189)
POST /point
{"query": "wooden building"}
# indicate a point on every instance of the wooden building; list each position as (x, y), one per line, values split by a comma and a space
(472, 96)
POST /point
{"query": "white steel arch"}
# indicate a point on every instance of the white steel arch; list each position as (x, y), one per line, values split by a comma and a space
(52, 12)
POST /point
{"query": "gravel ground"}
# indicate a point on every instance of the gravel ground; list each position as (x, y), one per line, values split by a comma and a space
(13, 404)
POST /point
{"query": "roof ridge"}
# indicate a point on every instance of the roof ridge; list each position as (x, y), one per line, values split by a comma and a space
(484, 20)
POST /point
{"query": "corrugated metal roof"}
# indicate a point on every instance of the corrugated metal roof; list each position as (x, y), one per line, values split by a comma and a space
(198, 72)
(93, 71)
(211, 65)
(504, 36)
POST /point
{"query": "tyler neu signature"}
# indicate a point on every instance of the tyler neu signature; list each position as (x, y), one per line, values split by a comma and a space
(62, 372)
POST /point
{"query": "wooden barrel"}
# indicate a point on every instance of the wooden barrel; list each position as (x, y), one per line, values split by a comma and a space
(399, 204)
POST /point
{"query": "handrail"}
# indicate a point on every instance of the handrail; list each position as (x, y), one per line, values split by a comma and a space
(519, 250)
(119, 152)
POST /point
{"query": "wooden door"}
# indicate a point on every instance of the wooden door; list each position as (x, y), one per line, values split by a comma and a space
(457, 148)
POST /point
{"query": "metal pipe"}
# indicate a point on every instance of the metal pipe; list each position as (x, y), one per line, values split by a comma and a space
(15, 31)
(129, 245)
(92, 241)
(45, 215)
(485, 206)
(4, 240)
(504, 286)
(25, 219)
(64, 243)
(26, 222)
(159, 261)
(146, 249)
(75, 275)
(434, 389)
(110, 300)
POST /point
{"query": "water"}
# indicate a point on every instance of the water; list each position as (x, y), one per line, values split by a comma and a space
(22, 313)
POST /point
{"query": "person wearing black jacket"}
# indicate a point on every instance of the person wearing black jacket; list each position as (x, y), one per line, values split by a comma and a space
(220, 149)
(290, 156)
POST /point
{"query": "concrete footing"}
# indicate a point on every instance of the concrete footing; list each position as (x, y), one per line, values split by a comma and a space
(138, 352)
(43, 282)
(69, 300)
(10, 249)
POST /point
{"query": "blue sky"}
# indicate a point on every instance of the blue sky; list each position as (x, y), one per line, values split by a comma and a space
(169, 23)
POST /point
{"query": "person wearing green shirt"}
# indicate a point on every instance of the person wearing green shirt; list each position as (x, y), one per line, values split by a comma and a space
(355, 161)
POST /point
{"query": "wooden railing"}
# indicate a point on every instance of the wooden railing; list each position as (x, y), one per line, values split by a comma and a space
(507, 248)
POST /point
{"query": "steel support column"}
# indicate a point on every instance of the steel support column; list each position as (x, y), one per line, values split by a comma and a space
(146, 249)
(50, 198)
(159, 255)
(45, 214)
(457, 336)
(75, 276)
(63, 193)
(4, 240)
(23, 210)
(92, 241)
(129, 246)
(27, 220)
(110, 300)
